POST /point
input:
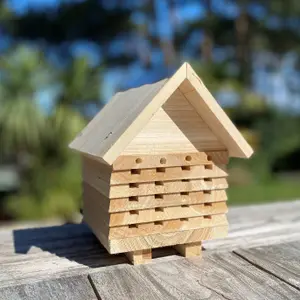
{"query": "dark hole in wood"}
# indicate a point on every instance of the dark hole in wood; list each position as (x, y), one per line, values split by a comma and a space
(184, 193)
(207, 192)
(159, 183)
(185, 168)
(188, 158)
(185, 180)
(159, 196)
(208, 179)
(133, 198)
(207, 217)
(138, 160)
(184, 205)
(159, 209)
(158, 223)
(208, 167)
(135, 171)
(133, 226)
(207, 204)
(209, 158)
(184, 219)
(163, 160)
(133, 185)
(133, 212)
(160, 170)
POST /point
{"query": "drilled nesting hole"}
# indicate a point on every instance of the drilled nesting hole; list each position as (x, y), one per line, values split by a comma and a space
(207, 217)
(160, 223)
(135, 172)
(160, 170)
(188, 158)
(184, 193)
(185, 168)
(208, 167)
(133, 226)
(163, 161)
(207, 204)
(185, 180)
(133, 185)
(133, 198)
(158, 183)
(159, 196)
(207, 192)
(184, 219)
(209, 158)
(138, 160)
(133, 212)
(159, 209)
(184, 205)
(208, 179)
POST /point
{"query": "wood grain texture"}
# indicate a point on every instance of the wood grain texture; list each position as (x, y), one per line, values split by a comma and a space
(190, 250)
(166, 226)
(174, 199)
(165, 239)
(66, 288)
(165, 213)
(217, 276)
(128, 162)
(139, 257)
(175, 128)
(215, 117)
(163, 174)
(158, 187)
(282, 260)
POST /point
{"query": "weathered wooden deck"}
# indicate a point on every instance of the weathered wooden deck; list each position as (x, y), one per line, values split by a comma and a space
(259, 260)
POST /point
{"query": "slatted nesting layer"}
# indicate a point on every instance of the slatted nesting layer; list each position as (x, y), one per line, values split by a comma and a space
(152, 201)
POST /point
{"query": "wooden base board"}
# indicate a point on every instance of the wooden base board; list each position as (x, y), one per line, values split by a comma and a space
(190, 250)
(140, 256)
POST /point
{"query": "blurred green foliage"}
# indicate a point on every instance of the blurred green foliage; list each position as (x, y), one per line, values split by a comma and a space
(36, 140)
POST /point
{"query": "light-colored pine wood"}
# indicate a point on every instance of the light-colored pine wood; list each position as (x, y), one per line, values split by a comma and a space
(165, 239)
(190, 250)
(175, 128)
(97, 168)
(171, 173)
(151, 201)
(160, 187)
(128, 162)
(215, 117)
(166, 226)
(111, 131)
(165, 213)
(140, 256)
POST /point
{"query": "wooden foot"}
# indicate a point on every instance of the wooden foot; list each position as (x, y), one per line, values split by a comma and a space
(140, 256)
(190, 250)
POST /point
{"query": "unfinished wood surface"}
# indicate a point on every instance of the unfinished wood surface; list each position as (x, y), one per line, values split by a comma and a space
(139, 257)
(171, 173)
(174, 199)
(217, 276)
(190, 250)
(96, 167)
(282, 260)
(165, 213)
(128, 162)
(159, 187)
(215, 117)
(175, 128)
(166, 226)
(67, 288)
(165, 239)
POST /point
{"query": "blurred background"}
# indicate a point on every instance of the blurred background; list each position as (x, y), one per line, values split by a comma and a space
(60, 61)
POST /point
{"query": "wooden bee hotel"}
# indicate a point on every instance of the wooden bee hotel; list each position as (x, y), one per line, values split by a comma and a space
(154, 168)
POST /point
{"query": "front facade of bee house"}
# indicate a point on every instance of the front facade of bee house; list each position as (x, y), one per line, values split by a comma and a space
(154, 168)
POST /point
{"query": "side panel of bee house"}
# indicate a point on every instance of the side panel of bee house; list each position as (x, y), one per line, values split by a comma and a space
(151, 201)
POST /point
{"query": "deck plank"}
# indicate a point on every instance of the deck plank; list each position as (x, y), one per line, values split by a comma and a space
(217, 276)
(68, 288)
(281, 260)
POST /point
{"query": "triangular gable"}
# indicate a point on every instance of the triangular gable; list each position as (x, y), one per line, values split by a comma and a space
(124, 117)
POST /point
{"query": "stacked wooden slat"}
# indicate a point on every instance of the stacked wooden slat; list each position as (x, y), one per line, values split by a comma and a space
(152, 201)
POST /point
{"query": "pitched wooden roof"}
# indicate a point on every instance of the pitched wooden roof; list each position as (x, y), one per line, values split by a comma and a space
(114, 127)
